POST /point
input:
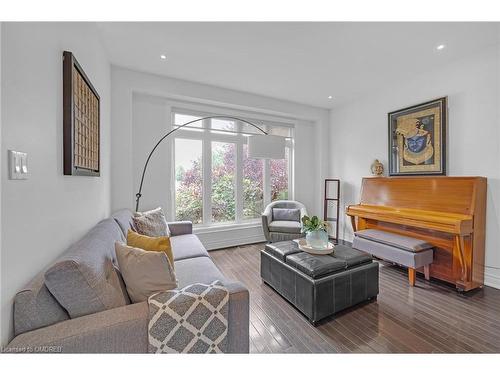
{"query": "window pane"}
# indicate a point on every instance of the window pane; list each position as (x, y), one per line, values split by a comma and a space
(181, 119)
(227, 126)
(223, 182)
(279, 177)
(253, 186)
(188, 180)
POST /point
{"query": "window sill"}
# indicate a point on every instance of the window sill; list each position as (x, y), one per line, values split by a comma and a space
(214, 228)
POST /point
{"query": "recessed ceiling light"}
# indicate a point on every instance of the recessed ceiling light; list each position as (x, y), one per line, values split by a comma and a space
(163, 57)
(330, 97)
(440, 47)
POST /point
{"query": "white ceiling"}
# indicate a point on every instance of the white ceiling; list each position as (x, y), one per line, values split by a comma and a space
(301, 62)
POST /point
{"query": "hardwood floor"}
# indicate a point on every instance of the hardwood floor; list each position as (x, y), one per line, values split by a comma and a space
(428, 318)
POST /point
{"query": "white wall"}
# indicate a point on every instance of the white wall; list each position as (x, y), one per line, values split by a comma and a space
(140, 110)
(44, 214)
(359, 134)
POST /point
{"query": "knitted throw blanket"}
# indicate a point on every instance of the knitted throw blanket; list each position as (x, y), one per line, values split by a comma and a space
(189, 320)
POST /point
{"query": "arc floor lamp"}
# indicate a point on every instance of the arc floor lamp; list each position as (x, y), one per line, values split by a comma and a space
(260, 146)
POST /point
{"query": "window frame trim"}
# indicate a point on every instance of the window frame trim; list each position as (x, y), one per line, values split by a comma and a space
(207, 136)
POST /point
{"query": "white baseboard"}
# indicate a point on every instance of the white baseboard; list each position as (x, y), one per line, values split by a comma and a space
(229, 236)
(230, 242)
(492, 279)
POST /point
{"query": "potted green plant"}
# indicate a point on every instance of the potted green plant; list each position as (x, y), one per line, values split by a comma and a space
(315, 230)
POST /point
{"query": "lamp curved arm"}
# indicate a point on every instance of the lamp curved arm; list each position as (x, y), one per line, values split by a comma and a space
(138, 195)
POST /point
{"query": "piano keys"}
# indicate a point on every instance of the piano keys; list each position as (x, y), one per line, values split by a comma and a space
(448, 212)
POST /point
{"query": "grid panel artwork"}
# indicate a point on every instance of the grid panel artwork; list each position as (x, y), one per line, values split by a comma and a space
(86, 124)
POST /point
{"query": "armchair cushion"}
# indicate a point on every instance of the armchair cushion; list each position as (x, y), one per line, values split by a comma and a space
(286, 214)
(285, 226)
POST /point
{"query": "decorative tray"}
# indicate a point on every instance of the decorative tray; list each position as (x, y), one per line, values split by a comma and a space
(302, 243)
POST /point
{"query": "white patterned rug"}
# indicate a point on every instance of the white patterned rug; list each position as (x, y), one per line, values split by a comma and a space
(189, 320)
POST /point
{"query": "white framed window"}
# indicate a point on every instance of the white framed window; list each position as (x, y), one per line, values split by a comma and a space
(215, 183)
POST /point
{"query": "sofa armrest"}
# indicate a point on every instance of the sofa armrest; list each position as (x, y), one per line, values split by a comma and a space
(178, 228)
(303, 212)
(238, 318)
(265, 227)
(268, 214)
(124, 330)
(120, 330)
(267, 218)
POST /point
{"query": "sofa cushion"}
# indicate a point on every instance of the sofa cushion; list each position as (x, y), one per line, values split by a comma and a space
(395, 240)
(187, 246)
(84, 280)
(286, 214)
(197, 270)
(285, 226)
(35, 307)
(124, 219)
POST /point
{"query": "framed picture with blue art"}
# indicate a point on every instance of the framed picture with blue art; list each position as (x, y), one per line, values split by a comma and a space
(417, 139)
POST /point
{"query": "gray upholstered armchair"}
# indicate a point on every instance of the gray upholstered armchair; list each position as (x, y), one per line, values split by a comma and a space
(281, 220)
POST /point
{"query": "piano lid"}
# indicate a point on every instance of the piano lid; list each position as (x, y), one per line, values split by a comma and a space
(442, 194)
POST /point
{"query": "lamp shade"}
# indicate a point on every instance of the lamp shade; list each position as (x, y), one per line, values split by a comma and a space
(266, 147)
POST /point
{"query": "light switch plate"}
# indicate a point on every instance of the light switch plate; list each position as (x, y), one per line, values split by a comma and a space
(18, 165)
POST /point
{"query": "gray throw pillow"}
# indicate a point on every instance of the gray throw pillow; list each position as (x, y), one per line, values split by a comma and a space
(286, 214)
(151, 223)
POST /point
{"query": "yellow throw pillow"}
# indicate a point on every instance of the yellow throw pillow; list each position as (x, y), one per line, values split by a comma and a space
(147, 243)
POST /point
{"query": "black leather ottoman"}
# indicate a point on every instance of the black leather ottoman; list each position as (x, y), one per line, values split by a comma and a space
(319, 285)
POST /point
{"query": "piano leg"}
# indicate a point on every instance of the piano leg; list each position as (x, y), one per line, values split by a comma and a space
(427, 272)
(411, 276)
(464, 284)
(353, 223)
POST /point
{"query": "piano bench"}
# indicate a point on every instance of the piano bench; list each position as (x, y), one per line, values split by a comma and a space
(406, 251)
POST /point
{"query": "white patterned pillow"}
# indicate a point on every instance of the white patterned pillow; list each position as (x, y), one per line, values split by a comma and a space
(151, 223)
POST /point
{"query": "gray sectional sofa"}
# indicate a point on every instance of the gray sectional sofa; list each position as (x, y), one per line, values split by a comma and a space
(80, 304)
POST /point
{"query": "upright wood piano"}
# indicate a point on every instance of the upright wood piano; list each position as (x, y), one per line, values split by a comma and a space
(448, 212)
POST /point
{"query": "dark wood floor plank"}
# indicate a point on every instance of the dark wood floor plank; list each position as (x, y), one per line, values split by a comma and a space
(429, 318)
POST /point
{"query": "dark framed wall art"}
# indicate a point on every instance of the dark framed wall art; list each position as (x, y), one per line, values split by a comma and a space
(81, 121)
(417, 139)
